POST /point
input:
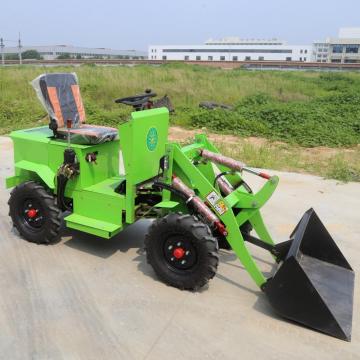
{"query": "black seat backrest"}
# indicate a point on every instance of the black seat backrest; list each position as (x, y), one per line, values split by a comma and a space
(59, 93)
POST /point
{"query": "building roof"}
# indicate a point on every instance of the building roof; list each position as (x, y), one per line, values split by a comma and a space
(74, 49)
(233, 40)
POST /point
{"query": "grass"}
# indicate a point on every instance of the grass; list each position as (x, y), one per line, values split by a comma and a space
(300, 109)
(343, 167)
(342, 164)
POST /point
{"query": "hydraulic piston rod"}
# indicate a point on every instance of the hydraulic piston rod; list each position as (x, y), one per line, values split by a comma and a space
(231, 163)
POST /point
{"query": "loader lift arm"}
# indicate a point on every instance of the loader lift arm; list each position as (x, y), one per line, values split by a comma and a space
(249, 203)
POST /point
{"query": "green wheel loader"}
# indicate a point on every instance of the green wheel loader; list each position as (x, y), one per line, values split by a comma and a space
(105, 179)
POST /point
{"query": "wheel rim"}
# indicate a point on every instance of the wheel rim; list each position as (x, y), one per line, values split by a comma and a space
(179, 252)
(32, 214)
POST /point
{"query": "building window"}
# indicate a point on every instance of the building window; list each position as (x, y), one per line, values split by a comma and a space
(186, 58)
(210, 58)
(337, 49)
(304, 58)
(235, 58)
(242, 51)
(305, 51)
(198, 58)
(335, 60)
(301, 51)
(261, 58)
(247, 58)
(300, 58)
(222, 58)
(352, 49)
(288, 58)
(164, 57)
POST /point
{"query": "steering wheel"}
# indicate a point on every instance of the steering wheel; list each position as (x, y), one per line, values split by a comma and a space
(137, 100)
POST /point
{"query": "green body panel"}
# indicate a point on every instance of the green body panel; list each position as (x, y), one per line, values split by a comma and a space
(99, 210)
(99, 202)
(38, 156)
(41, 170)
(12, 181)
(143, 141)
(92, 226)
(167, 204)
(142, 152)
(36, 152)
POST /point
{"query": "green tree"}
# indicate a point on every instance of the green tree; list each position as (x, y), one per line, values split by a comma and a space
(64, 56)
(13, 56)
(31, 54)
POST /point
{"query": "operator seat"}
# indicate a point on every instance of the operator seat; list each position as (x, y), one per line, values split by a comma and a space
(59, 93)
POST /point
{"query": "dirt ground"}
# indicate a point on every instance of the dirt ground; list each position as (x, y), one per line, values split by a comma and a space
(89, 298)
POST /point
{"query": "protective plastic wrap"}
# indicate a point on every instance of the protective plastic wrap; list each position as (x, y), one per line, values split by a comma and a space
(59, 93)
(90, 134)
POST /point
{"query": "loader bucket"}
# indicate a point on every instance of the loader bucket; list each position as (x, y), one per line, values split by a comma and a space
(314, 284)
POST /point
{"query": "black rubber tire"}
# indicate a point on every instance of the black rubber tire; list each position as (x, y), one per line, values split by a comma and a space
(198, 235)
(51, 214)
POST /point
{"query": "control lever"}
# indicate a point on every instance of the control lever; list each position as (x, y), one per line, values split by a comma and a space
(92, 157)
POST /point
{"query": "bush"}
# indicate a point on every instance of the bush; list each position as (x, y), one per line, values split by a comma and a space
(332, 120)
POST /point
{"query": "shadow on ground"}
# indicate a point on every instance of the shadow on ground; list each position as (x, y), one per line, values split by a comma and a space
(131, 237)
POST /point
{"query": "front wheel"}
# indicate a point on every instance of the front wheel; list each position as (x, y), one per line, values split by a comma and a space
(182, 251)
(34, 213)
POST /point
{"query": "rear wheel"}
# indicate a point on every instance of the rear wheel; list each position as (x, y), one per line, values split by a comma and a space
(182, 251)
(34, 213)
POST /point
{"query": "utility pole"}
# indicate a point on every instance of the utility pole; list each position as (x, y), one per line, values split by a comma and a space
(2, 51)
(20, 46)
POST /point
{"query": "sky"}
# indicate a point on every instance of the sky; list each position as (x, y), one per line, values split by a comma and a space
(135, 24)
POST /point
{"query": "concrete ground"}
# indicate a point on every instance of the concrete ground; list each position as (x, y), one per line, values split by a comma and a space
(88, 298)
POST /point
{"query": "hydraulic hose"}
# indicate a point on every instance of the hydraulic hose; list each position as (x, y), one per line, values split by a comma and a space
(60, 193)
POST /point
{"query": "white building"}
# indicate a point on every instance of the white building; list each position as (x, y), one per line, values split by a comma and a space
(233, 49)
(343, 49)
(53, 51)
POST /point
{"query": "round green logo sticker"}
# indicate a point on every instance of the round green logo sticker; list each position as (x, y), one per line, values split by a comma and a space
(152, 139)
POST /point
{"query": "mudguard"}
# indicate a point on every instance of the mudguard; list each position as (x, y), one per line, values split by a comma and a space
(22, 169)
